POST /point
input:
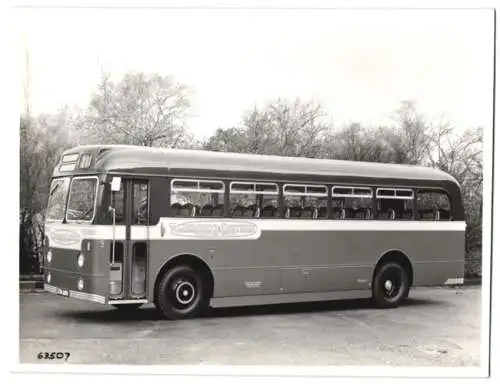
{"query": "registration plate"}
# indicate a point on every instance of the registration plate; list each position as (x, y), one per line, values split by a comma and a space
(62, 292)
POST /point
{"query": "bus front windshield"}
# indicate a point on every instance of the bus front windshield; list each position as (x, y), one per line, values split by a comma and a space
(80, 202)
(82, 199)
(57, 199)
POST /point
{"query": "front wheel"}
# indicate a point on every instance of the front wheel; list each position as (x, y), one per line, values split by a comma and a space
(181, 293)
(390, 285)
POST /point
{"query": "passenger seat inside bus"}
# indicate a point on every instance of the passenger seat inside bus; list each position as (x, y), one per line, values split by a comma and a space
(218, 210)
(322, 212)
(337, 213)
(426, 214)
(389, 214)
(249, 211)
(367, 213)
(176, 207)
(269, 211)
(309, 213)
(206, 210)
(238, 211)
(442, 214)
(294, 212)
(187, 210)
(406, 214)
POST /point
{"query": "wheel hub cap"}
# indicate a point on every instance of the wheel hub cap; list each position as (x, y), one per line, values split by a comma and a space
(185, 292)
(388, 285)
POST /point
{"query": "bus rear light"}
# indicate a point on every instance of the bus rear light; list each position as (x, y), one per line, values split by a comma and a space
(49, 277)
(49, 257)
(81, 285)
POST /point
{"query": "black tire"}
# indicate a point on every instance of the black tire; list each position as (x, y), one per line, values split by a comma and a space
(391, 285)
(182, 293)
(127, 307)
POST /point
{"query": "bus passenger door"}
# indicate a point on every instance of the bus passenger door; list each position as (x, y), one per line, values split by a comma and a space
(136, 238)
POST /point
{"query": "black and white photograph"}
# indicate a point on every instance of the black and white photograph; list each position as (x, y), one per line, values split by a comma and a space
(279, 189)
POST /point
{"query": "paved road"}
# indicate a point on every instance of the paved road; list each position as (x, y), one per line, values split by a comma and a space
(438, 326)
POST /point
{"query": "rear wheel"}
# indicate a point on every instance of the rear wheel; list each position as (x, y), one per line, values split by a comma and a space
(182, 293)
(391, 285)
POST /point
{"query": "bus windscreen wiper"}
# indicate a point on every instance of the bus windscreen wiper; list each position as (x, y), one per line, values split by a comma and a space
(56, 187)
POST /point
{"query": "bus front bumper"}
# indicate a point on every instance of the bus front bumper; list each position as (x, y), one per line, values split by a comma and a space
(75, 294)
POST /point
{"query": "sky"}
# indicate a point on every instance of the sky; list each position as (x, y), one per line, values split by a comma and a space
(357, 63)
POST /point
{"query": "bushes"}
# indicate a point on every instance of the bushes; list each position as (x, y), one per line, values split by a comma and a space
(30, 243)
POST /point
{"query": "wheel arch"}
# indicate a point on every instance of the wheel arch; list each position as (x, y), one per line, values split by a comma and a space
(397, 256)
(193, 261)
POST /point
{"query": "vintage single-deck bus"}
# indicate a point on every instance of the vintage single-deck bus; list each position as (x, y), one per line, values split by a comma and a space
(185, 230)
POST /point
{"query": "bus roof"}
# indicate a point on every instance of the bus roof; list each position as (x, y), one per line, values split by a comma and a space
(116, 158)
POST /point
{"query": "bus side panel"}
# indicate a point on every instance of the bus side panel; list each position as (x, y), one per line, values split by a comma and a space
(308, 261)
(439, 257)
(237, 270)
(345, 260)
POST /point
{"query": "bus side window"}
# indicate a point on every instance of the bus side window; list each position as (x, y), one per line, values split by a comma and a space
(394, 204)
(192, 197)
(251, 199)
(351, 203)
(433, 205)
(305, 201)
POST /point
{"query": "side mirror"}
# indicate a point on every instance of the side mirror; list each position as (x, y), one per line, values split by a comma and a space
(116, 183)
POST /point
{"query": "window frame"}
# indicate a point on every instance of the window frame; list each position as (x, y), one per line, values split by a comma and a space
(69, 196)
(197, 181)
(352, 195)
(395, 196)
(254, 190)
(305, 193)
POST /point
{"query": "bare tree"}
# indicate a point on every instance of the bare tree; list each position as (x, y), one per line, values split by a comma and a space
(286, 128)
(140, 109)
(409, 138)
(297, 127)
(357, 143)
(227, 140)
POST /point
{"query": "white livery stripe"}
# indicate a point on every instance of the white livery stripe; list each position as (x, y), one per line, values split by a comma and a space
(69, 236)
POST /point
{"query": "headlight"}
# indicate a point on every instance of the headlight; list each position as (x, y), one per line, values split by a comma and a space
(49, 256)
(49, 277)
(81, 260)
(80, 284)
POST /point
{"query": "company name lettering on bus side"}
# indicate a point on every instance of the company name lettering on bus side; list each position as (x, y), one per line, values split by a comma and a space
(214, 229)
